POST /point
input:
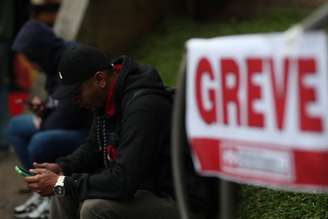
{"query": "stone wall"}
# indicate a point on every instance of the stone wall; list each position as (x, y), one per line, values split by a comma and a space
(115, 25)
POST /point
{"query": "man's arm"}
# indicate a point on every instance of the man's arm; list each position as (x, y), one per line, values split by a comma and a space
(137, 153)
(46, 174)
(85, 158)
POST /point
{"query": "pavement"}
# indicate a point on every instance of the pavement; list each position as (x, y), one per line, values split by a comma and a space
(10, 185)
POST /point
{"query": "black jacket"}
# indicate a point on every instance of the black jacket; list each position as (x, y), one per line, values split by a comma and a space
(140, 130)
(41, 46)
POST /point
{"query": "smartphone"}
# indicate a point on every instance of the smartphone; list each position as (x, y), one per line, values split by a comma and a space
(23, 172)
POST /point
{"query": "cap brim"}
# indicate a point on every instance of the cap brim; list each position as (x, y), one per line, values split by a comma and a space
(65, 91)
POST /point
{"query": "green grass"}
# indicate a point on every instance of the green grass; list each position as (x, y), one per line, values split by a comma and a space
(164, 48)
(271, 204)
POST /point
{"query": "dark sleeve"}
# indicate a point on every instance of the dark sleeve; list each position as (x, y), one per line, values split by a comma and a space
(85, 158)
(68, 115)
(137, 150)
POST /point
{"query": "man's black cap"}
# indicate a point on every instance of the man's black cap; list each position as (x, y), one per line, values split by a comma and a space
(78, 64)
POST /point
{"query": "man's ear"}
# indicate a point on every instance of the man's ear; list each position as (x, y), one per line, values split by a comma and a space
(100, 79)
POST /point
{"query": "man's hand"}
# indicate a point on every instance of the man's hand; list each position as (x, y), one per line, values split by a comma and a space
(42, 182)
(49, 166)
(36, 105)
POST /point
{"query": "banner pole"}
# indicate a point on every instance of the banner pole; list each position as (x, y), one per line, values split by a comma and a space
(178, 127)
(228, 199)
(317, 20)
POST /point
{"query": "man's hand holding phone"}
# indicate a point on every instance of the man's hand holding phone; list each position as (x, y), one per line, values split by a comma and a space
(35, 104)
(49, 166)
(42, 182)
(42, 179)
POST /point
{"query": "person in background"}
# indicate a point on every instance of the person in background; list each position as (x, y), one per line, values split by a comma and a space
(56, 128)
(123, 169)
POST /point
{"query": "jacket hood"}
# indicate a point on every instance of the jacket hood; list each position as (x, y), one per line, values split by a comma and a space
(134, 76)
(41, 46)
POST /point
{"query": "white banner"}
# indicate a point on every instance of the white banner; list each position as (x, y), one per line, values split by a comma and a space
(262, 103)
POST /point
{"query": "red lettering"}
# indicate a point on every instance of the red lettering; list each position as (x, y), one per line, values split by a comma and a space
(230, 94)
(306, 95)
(254, 66)
(204, 68)
(279, 92)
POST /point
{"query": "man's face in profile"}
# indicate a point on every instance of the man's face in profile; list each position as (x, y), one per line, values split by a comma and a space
(92, 93)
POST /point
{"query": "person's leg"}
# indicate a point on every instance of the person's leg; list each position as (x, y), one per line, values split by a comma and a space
(144, 205)
(64, 208)
(19, 132)
(48, 145)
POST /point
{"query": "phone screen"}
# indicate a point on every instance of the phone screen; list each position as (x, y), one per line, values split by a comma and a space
(22, 171)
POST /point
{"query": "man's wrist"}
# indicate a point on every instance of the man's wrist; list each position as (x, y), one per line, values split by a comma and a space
(60, 180)
(59, 188)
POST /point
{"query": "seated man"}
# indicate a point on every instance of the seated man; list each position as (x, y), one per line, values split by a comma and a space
(123, 169)
(56, 128)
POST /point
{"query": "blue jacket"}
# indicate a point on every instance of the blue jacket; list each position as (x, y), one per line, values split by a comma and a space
(41, 46)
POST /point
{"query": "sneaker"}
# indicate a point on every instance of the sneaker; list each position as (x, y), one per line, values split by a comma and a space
(30, 204)
(42, 211)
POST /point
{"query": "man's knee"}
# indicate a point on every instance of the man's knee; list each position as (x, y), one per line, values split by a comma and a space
(64, 207)
(88, 208)
(14, 126)
(37, 147)
(98, 208)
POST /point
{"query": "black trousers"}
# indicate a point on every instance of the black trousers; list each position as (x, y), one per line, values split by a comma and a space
(144, 205)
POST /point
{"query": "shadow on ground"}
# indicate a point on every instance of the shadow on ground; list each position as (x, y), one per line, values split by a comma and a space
(10, 184)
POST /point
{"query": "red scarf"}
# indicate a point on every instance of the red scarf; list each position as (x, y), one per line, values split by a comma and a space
(110, 108)
(111, 151)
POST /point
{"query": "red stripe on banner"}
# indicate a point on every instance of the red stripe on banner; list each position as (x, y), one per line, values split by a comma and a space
(311, 167)
(207, 152)
(308, 168)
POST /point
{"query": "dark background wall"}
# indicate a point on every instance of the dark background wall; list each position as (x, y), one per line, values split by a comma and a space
(115, 26)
